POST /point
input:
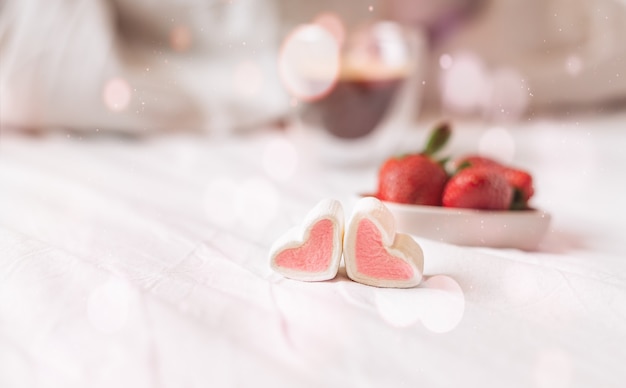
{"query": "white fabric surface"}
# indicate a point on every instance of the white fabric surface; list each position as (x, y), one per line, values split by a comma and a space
(119, 269)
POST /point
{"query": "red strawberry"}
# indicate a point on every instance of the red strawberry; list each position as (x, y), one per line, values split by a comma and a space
(414, 179)
(521, 180)
(475, 160)
(478, 188)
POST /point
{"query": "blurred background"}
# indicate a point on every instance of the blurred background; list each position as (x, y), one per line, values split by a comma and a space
(132, 257)
(146, 66)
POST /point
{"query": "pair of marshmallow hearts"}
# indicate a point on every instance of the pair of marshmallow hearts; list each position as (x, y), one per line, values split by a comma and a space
(373, 252)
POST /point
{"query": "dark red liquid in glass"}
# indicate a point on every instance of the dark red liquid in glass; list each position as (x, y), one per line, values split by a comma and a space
(354, 107)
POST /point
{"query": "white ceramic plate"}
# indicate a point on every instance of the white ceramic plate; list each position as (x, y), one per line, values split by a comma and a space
(497, 229)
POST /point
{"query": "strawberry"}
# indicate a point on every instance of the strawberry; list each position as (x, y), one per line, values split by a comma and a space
(521, 180)
(475, 160)
(478, 187)
(415, 178)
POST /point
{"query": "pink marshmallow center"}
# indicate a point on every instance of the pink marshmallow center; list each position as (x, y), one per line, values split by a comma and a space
(373, 260)
(315, 254)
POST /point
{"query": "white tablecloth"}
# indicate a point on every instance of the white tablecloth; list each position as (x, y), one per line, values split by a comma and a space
(143, 263)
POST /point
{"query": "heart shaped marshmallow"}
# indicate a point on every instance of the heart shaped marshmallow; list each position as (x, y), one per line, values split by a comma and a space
(375, 254)
(312, 251)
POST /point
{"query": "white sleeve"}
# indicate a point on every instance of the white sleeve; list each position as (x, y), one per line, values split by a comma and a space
(105, 65)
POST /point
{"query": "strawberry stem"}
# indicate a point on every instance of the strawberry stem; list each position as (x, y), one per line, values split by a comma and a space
(437, 139)
(463, 165)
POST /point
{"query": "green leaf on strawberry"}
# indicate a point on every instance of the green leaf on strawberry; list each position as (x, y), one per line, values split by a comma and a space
(437, 139)
(416, 178)
(472, 181)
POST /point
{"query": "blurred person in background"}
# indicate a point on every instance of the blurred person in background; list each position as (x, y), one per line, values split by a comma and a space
(144, 66)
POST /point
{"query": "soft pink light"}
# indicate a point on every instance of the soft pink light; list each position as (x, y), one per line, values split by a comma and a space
(553, 369)
(219, 204)
(180, 38)
(116, 94)
(280, 159)
(256, 203)
(497, 143)
(573, 65)
(445, 61)
(309, 62)
(439, 303)
(466, 84)
(521, 284)
(402, 309)
(508, 98)
(108, 305)
(333, 24)
(446, 305)
(248, 79)
(378, 51)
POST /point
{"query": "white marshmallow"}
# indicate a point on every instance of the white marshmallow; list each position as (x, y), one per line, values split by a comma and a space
(385, 259)
(293, 249)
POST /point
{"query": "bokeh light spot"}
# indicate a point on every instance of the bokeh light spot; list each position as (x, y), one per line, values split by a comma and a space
(439, 303)
(573, 65)
(116, 94)
(378, 51)
(309, 62)
(400, 309)
(466, 84)
(553, 369)
(446, 304)
(16, 369)
(219, 204)
(256, 203)
(108, 305)
(521, 284)
(180, 38)
(333, 24)
(497, 143)
(445, 61)
(248, 79)
(280, 159)
(509, 96)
